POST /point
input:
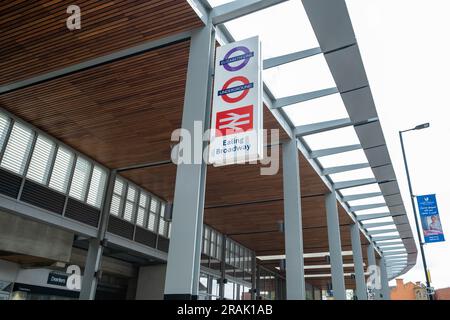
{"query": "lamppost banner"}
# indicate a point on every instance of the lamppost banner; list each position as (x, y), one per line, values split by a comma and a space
(236, 121)
(429, 215)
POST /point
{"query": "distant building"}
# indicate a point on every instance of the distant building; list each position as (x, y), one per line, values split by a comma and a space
(442, 294)
(409, 291)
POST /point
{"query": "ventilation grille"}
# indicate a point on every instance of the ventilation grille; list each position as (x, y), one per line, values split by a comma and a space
(82, 212)
(145, 237)
(9, 184)
(163, 244)
(42, 197)
(120, 227)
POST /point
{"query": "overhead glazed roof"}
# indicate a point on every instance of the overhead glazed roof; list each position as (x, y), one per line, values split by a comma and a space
(315, 83)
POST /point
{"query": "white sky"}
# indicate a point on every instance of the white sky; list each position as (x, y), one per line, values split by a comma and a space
(404, 45)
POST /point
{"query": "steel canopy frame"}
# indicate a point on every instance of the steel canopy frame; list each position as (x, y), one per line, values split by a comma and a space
(337, 41)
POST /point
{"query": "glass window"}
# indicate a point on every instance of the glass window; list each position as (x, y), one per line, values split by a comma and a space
(61, 170)
(17, 149)
(162, 223)
(152, 218)
(80, 179)
(97, 187)
(40, 162)
(130, 205)
(115, 205)
(143, 207)
(4, 126)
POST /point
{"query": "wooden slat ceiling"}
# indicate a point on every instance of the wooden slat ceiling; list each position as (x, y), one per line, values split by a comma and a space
(34, 38)
(123, 113)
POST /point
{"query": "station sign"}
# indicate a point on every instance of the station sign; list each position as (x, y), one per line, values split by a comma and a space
(237, 114)
(429, 216)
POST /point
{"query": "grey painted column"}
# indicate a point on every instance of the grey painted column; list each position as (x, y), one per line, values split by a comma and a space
(184, 247)
(254, 277)
(293, 233)
(361, 289)
(372, 262)
(95, 251)
(201, 206)
(385, 291)
(334, 243)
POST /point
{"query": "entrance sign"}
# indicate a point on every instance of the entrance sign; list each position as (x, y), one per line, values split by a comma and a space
(236, 121)
(429, 215)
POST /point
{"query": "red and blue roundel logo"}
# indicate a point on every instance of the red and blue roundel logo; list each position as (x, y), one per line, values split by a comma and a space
(244, 58)
(244, 88)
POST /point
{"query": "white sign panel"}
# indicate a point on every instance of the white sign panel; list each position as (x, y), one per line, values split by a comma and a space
(236, 123)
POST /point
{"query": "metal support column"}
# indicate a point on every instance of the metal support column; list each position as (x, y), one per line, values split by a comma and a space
(184, 248)
(385, 293)
(95, 251)
(372, 262)
(334, 244)
(293, 233)
(201, 206)
(361, 289)
(254, 276)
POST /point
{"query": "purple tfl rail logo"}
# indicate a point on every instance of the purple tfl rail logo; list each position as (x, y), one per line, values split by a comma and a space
(245, 58)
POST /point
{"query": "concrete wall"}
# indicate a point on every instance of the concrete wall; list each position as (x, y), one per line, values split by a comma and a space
(150, 284)
(8, 271)
(19, 235)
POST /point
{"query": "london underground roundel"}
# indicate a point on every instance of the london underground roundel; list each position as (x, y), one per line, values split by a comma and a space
(227, 89)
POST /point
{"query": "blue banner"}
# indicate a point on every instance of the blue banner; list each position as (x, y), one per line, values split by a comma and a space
(429, 215)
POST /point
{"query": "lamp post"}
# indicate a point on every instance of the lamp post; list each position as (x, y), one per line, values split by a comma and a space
(424, 261)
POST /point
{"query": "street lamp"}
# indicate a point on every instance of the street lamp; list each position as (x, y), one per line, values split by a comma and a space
(424, 261)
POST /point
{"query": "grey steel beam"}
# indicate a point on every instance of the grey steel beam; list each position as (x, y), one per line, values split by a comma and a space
(95, 250)
(361, 289)
(188, 186)
(36, 214)
(368, 206)
(290, 100)
(334, 244)
(293, 234)
(336, 150)
(339, 169)
(390, 243)
(354, 183)
(382, 238)
(151, 45)
(361, 196)
(378, 224)
(371, 216)
(394, 253)
(385, 292)
(238, 8)
(381, 231)
(290, 57)
(308, 129)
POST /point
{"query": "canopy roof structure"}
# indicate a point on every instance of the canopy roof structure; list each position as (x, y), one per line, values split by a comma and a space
(115, 93)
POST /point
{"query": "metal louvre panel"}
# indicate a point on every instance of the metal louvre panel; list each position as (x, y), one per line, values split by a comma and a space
(4, 126)
(145, 237)
(97, 187)
(120, 227)
(80, 179)
(82, 212)
(59, 178)
(9, 183)
(163, 244)
(17, 149)
(42, 197)
(39, 167)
